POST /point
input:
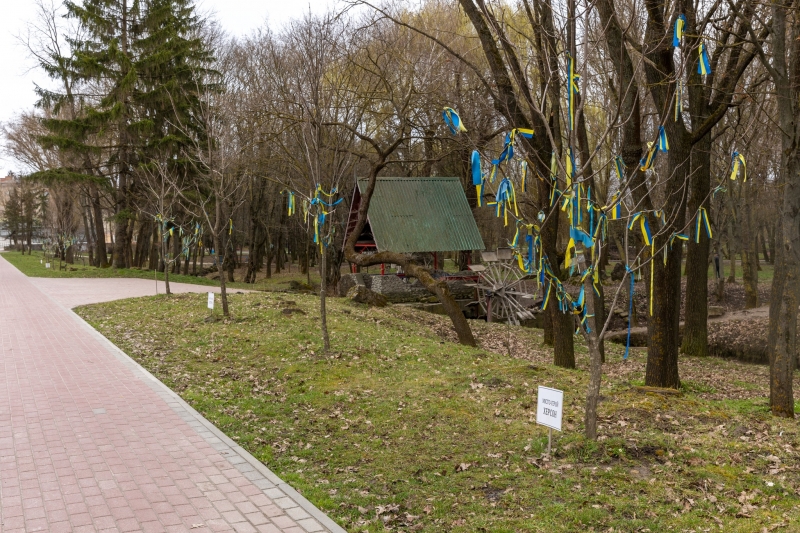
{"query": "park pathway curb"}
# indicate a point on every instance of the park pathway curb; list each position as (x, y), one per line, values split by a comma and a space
(200, 491)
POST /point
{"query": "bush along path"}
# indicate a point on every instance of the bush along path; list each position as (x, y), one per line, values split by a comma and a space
(400, 429)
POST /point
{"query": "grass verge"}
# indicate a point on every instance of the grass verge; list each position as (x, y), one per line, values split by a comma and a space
(399, 429)
(33, 266)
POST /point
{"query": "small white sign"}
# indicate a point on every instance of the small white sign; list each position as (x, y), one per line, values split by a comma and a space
(211, 300)
(47, 265)
(550, 407)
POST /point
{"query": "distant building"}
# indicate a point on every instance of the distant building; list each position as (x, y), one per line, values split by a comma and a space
(6, 184)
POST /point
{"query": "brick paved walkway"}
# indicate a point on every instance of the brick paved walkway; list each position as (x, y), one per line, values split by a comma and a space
(89, 441)
(72, 292)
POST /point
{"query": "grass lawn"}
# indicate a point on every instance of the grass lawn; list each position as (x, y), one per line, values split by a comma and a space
(30, 266)
(401, 430)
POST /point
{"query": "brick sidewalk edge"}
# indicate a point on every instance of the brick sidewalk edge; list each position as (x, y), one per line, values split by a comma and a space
(306, 505)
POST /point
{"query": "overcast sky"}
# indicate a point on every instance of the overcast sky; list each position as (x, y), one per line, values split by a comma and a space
(238, 17)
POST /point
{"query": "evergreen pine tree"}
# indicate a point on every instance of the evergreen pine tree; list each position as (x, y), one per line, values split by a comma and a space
(139, 62)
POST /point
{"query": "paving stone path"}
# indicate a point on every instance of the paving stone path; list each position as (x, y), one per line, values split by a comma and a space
(72, 292)
(90, 441)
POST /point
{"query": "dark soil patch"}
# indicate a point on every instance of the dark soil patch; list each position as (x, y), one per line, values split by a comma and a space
(734, 300)
(745, 340)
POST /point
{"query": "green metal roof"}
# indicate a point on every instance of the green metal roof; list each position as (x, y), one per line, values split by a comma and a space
(421, 215)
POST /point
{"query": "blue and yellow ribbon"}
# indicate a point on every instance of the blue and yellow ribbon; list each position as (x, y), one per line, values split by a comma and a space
(736, 160)
(679, 236)
(505, 198)
(508, 149)
(570, 167)
(291, 202)
(663, 143)
(703, 65)
(702, 223)
(477, 175)
(453, 121)
(646, 163)
(524, 171)
(641, 217)
(619, 168)
(677, 35)
(678, 99)
(572, 90)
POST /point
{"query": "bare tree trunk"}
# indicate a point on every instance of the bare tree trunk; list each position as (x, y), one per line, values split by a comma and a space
(87, 226)
(782, 336)
(785, 294)
(772, 246)
(152, 262)
(595, 380)
(175, 255)
(764, 237)
(326, 341)
(732, 245)
(596, 357)
(563, 332)
(665, 299)
(223, 293)
(695, 330)
(721, 264)
(142, 244)
(165, 252)
(757, 242)
(749, 247)
(100, 232)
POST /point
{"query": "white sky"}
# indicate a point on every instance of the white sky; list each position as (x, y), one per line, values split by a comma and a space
(237, 17)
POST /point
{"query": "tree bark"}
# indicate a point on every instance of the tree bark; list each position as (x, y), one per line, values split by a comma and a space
(219, 245)
(695, 329)
(152, 262)
(732, 244)
(165, 259)
(749, 247)
(176, 253)
(563, 332)
(663, 325)
(323, 314)
(785, 294)
(99, 229)
(87, 229)
(142, 244)
(764, 238)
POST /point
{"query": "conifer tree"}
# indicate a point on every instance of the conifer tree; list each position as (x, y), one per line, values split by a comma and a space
(130, 78)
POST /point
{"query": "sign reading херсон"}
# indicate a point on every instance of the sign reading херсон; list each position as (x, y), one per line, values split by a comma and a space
(550, 407)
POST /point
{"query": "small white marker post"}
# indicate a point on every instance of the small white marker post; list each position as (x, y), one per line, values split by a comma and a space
(211, 302)
(549, 409)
